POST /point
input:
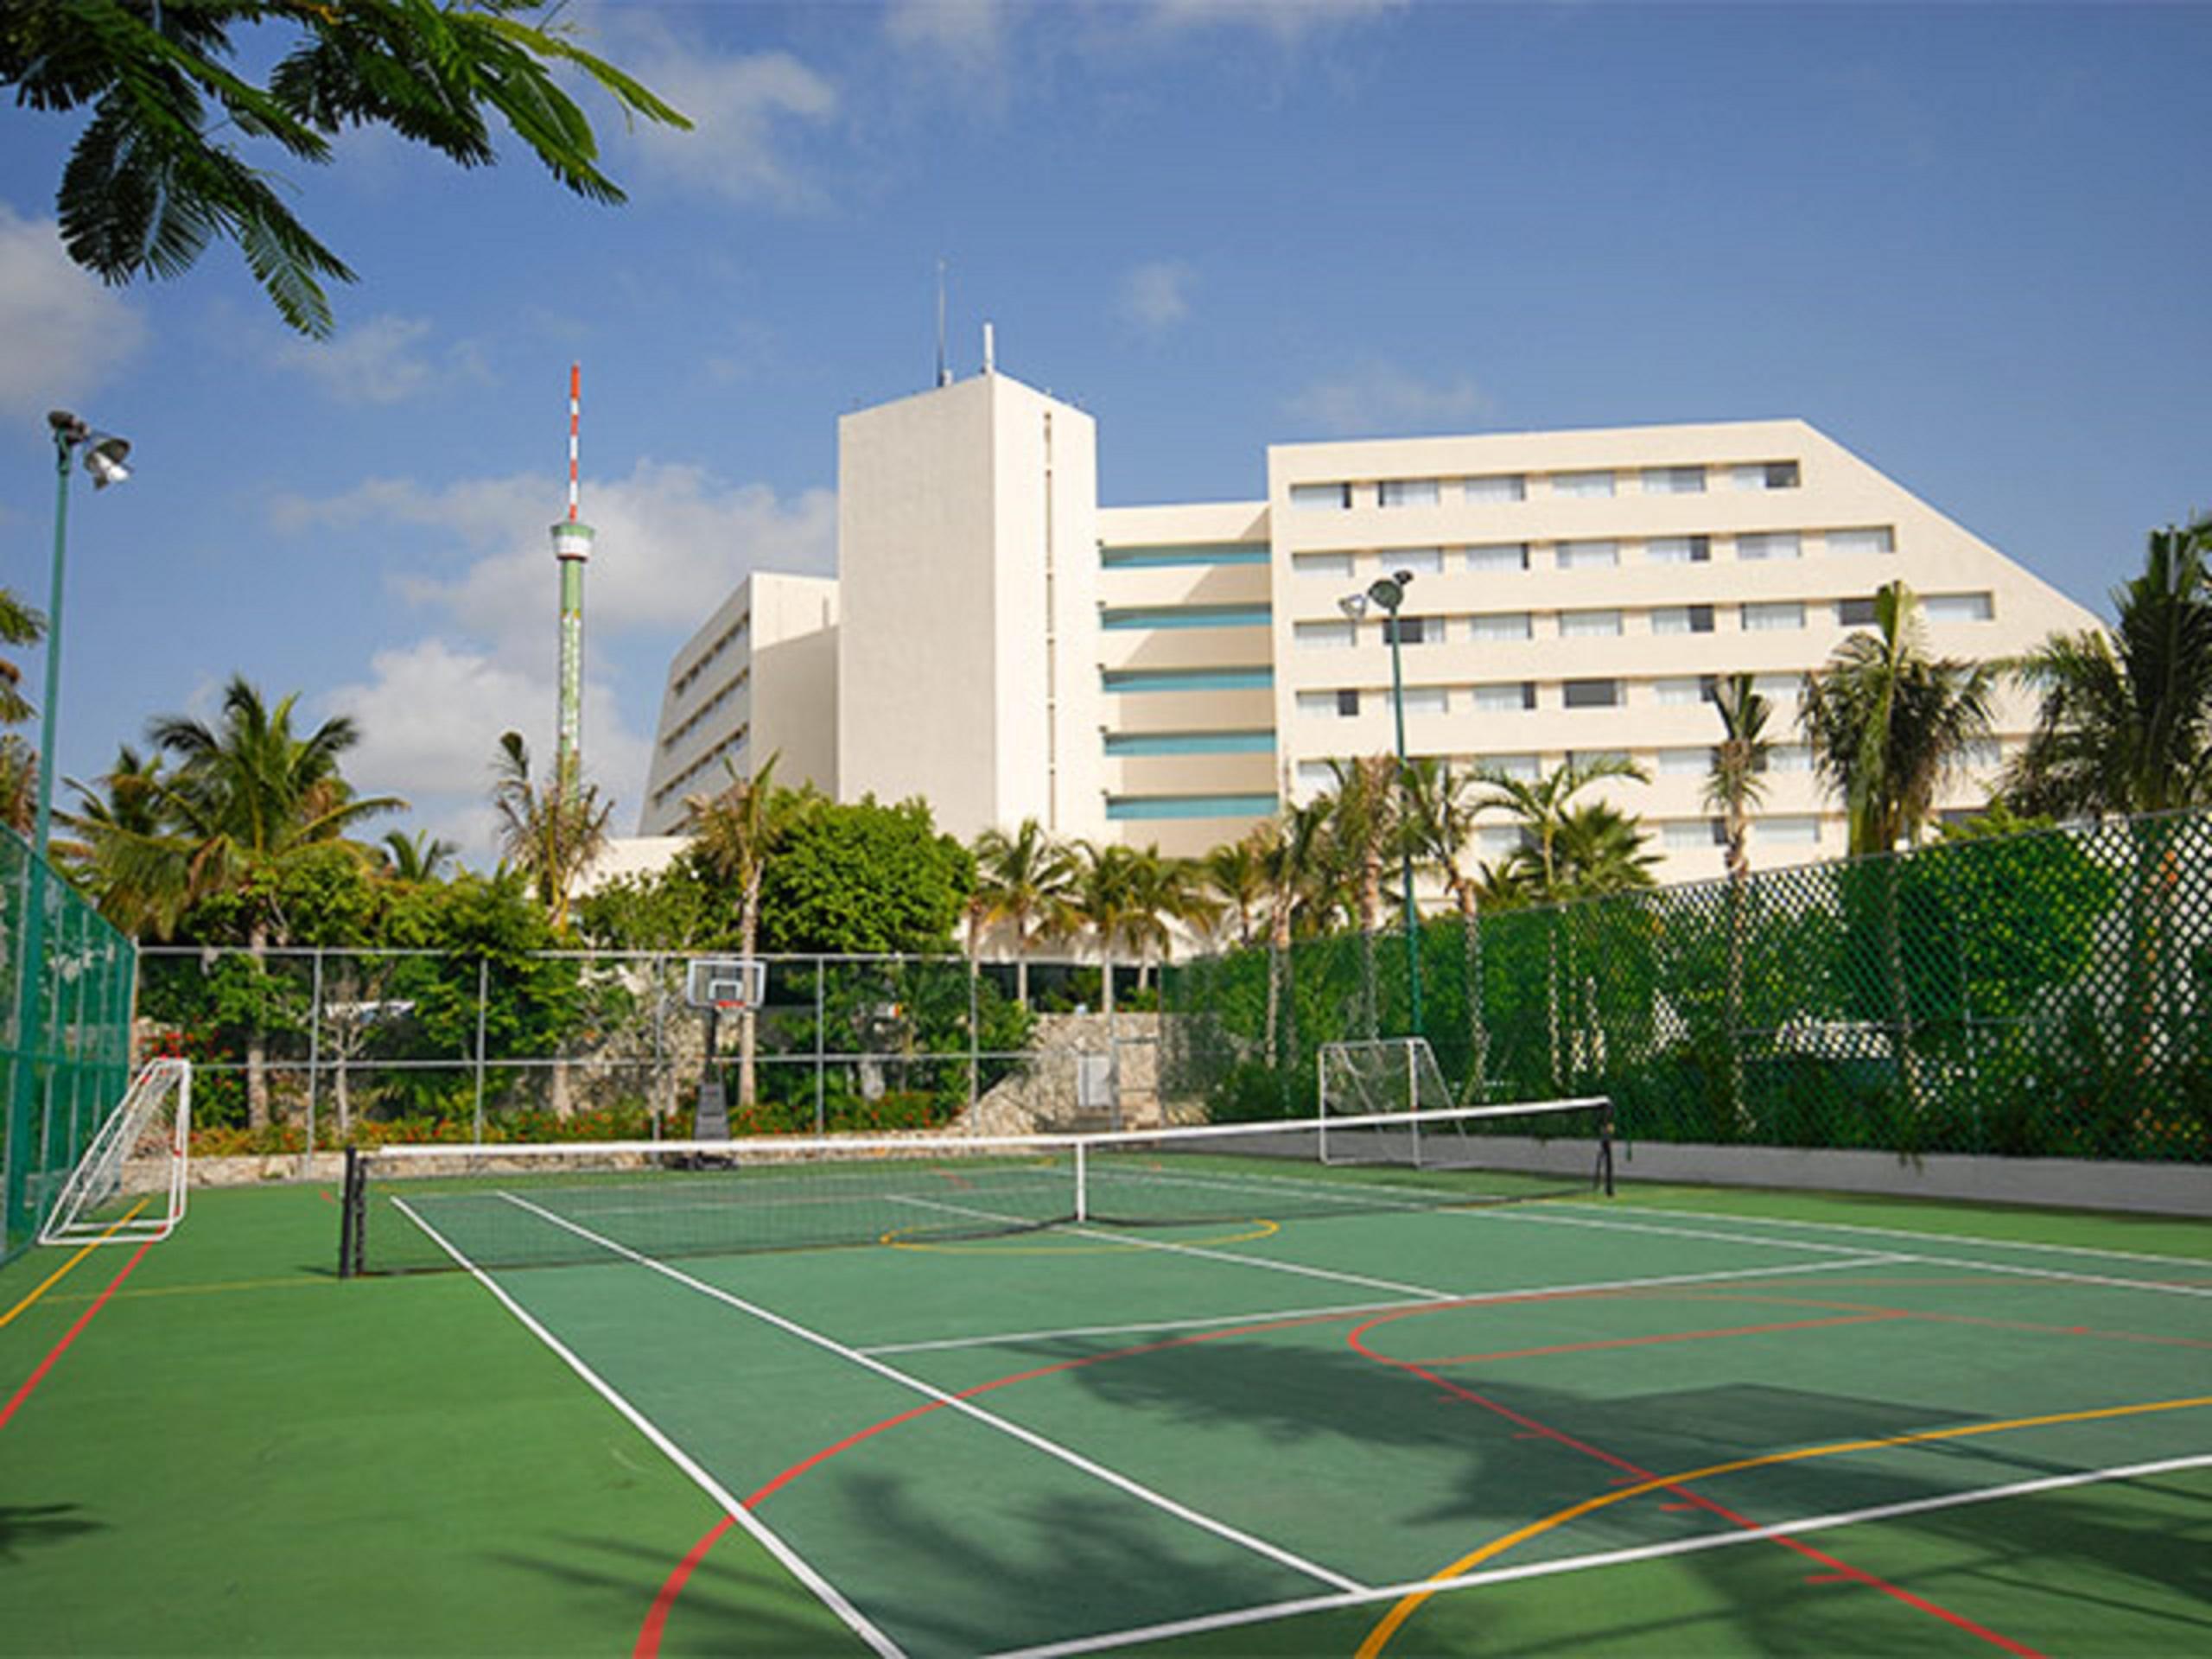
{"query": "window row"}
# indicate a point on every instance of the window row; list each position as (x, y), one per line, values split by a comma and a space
(1496, 488)
(1522, 696)
(1754, 616)
(1502, 558)
(727, 638)
(690, 774)
(706, 710)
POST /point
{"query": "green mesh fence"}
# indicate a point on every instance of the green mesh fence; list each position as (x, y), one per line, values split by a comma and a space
(64, 1036)
(2045, 995)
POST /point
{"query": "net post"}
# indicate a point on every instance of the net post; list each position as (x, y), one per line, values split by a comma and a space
(1081, 1181)
(1606, 1146)
(349, 1217)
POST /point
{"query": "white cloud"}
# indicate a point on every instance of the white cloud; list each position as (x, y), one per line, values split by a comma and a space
(1156, 296)
(430, 715)
(1289, 21)
(743, 110)
(969, 32)
(380, 361)
(66, 334)
(1377, 398)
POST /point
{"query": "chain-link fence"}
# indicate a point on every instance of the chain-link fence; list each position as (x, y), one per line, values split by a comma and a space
(2042, 994)
(325, 1047)
(65, 1035)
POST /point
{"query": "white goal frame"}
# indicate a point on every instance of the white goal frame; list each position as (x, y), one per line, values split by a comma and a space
(153, 1125)
(1379, 1076)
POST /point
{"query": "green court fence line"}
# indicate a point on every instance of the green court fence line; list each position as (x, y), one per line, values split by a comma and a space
(2040, 994)
(64, 1036)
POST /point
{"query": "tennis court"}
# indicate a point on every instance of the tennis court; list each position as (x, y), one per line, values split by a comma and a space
(1671, 1420)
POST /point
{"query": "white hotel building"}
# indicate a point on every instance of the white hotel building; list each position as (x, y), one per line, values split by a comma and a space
(998, 642)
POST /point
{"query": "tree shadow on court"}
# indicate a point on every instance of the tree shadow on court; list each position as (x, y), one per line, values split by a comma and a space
(24, 1526)
(762, 1612)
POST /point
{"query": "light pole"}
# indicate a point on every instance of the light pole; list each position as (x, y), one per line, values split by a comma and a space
(104, 455)
(1386, 595)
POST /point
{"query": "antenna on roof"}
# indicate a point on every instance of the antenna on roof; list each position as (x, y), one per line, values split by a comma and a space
(990, 352)
(944, 374)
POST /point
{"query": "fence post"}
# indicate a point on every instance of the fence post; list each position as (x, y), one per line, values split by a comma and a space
(820, 1104)
(974, 1041)
(315, 1060)
(483, 998)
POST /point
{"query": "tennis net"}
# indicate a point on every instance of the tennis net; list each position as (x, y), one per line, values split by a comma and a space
(416, 1207)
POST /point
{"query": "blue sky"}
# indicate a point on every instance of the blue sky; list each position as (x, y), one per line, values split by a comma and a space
(1968, 241)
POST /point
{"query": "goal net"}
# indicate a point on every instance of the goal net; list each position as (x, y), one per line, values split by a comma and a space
(128, 1186)
(1380, 1077)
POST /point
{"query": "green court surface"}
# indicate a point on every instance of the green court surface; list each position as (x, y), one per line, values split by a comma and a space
(1676, 1421)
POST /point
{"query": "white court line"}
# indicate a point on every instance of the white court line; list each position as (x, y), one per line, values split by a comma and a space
(776, 1546)
(1609, 1558)
(2202, 1264)
(1470, 1299)
(1918, 1258)
(966, 1408)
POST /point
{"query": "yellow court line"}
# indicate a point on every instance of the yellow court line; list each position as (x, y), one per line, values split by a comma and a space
(201, 1290)
(1098, 1247)
(55, 1277)
(1405, 1607)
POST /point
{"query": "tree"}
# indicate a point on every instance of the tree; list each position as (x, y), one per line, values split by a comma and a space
(1888, 723)
(19, 626)
(1108, 901)
(1736, 784)
(1023, 882)
(419, 857)
(149, 181)
(1600, 851)
(1236, 874)
(1167, 892)
(246, 800)
(859, 878)
(2125, 722)
(1541, 807)
(734, 835)
(1445, 809)
(550, 833)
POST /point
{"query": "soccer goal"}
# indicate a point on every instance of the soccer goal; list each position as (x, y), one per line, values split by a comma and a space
(1384, 1077)
(128, 1186)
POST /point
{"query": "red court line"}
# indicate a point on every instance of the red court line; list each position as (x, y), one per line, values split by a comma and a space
(62, 1346)
(1688, 1494)
(657, 1618)
(1670, 1336)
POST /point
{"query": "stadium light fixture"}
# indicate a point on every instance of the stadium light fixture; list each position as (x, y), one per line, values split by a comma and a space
(1387, 594)
(102, 453)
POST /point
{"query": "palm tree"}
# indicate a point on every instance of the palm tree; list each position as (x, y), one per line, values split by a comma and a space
(1024, 879)
(18, 784)
(1289, 847)
(1168, 892)
(1443, 811)
(734, 834)
(247, 798)
(1236, 874)
(1736, 784)
(19, 626)
(551, 834)
(1365, 824)
(419, 857)
(1108, 900)
(1600, 851)
(1888, 723)
(2124, 724)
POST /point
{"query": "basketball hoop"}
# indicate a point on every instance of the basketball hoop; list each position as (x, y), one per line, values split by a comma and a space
(724, 984)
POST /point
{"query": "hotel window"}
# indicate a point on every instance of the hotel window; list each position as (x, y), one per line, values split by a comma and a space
(1765, 475)
(1679, 763)
(1588, 624)
(1777, 616)
(1426, 700)
(1498, 487)
(1674, 481)
(1316, 774)
(1679, 550)
(1589, 556)
(1326, 703)
(1498, 557)
(1855, 612)
(1322, 564)
(1882, 540)
(1421, 561)
(1509, 697)
(1788, 832)
(1330, 634)
(1495, 626)
(1789, 757)
(1775, 544)
(1320, 495)
(1523, 766)
(1588, 758)
(1682, 619)
(1583, 485)
(1409, 492)
(1779, 688)
(1958, 608)
(1591, 694)
(1680, 693)
(1687, 835)
(1412, 630)
(1347, 702)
